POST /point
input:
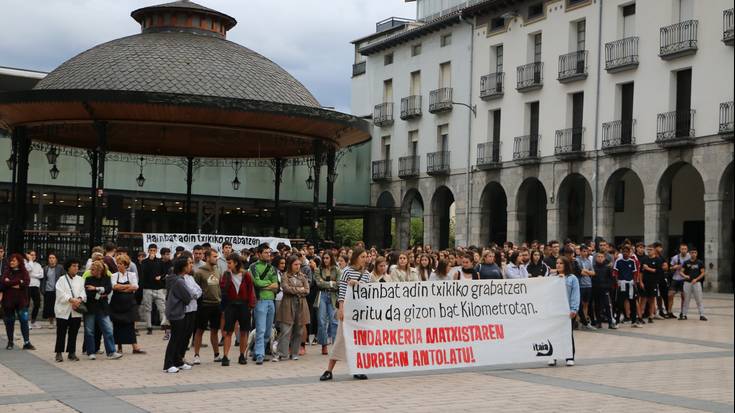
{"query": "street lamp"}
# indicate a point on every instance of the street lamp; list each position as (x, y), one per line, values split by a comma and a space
(54, 171)
(140, 179)
(310, 182)
(52, 155)
(10, 162)
(236, 182)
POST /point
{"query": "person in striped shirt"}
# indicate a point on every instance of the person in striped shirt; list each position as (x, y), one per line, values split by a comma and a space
(354, 273)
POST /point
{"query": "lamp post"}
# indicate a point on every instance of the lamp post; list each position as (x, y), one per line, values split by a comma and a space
(54, 171)
(140, 180)
(236, 182)
(52, 154)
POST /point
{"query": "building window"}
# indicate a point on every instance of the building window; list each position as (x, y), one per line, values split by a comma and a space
(446, 40)
(443, 138)
(499, 58)
(537, 47)
(497, 23)
(413, 142)
(629, 10)
(536, 10)
(196, 21)
(581, 34)
(388, 59)
(416, 49)
(386, 147)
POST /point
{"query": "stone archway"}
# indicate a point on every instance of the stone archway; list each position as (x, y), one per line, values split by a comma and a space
(411, 220)
(623, 207)
(441, 212)
(575, 208)
(680, 195)
(494, 214)
(726, 255)
(531, 211)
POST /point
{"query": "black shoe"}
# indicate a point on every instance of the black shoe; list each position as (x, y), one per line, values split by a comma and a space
(242, 359)
(225, 361)
(150, 331)
(702, 318)
(359, 377)
(327, 375)
(650, 320)
(237, 343)
(9, 346)
(59, 358)
(72, 357)
(28, 346)
(681, 316)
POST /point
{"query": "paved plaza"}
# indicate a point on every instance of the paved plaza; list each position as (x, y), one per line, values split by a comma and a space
(670, 366)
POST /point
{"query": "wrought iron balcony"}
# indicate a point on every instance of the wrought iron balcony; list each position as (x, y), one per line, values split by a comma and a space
(440, 100)
(675, 128)
(491, 86)
(569, 143)
(437, 163)
(728, 21)
(488, 155)
(382, 170)
(573, 66)
(618, 136)
(359, 69)
(408, 167)
(530, 76)
(621, 55)
(526, 149)
(411, 107)
(679, 39)
(726, 120)
(383, 114)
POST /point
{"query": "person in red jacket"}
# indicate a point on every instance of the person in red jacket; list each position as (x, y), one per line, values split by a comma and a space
(14, 297)
(237, 287)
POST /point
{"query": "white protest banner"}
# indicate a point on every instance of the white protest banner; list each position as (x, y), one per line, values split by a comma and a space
(188, 241)
(399, 327)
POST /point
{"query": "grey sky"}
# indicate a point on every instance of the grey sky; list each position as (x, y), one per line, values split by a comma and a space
(309, 38)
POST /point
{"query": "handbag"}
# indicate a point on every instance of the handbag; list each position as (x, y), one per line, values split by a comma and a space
(82, 309)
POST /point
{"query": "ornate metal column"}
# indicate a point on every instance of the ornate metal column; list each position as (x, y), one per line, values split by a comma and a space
(277, 167)
(331, 177)
(101, 153)
(315, 203)
(21, 145)
(189, 180)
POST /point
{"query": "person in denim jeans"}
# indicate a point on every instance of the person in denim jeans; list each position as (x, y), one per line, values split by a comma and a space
(265, 280)
(327, 281)
(98, 286)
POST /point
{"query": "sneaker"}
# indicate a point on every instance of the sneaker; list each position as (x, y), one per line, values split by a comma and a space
(274, 347)
(172, 369)
(114, 356)
(637, 325)
(275, 359)
(242, 359)
(702, 318)
(327, 375)
(217, 358)
(184, 367)
(294, 358)
(570, 363)
(359, 377)
(149, 331)
(100, 351)
(197, 361)
(681, 317)
(28, 346)
(658, 317)
(59, 358)
(225, 361)
(686, 318)
(662, 315)
(9, 346)
(552, 362)
(650, 320)
(670, 316)
(641, 321)
(92, 357)
(259, 361)
(167, 335)
(591, 327)
(72, 357)
(613, 326)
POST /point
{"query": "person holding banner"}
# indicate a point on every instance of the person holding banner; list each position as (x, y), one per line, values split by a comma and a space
(564, 270)
(353, 274)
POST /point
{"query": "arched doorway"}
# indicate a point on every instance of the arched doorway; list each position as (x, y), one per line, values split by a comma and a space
(727, 238)
(531, 210)
(623, 199)
(443, 216)
(575, 208)
(384, 232)
(681, 194)
(494, 214)
(411, 222)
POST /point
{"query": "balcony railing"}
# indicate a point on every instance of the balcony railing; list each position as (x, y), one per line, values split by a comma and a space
(359, 68)
(621, 54)
(526, 149)
(679, 39)
(726, 119)
(491, 86)
(411, 107)
(437, 163)
(569, 143)
(488, 155)
(440, 100)
(618, 136)
(383, 114)
(728, 21)
(675, 128)
(382, 170)
(573, 66)
(530, 76)
(408, 167)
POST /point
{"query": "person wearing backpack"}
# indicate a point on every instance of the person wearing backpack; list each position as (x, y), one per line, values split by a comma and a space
(265, 280)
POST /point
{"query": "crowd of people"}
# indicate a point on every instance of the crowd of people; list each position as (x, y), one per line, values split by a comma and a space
(274, 302)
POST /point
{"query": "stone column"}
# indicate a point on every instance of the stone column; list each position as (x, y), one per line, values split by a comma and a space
(717, 279)
(514, 226)
(403, 229)
(553, 230)
(429, 232)
(460, 226)
(655, 223)
(476, 228)
(605, 222)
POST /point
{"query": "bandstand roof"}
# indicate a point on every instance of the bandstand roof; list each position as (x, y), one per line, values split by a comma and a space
(178, 88)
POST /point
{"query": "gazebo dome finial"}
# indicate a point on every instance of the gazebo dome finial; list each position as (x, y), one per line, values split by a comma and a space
(184, 16)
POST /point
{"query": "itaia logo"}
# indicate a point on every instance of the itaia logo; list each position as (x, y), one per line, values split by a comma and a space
(543, 349)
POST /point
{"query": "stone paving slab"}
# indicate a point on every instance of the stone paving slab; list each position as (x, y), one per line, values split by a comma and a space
(51, 406)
